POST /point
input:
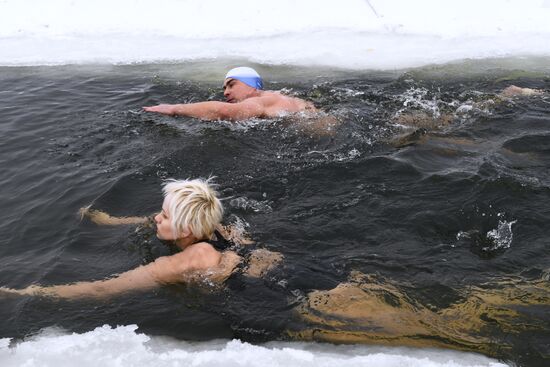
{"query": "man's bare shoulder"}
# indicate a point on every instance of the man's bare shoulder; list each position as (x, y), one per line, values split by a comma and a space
(267, 98)
(276, 102)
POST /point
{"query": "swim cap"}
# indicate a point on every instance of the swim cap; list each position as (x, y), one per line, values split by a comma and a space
(246, 75)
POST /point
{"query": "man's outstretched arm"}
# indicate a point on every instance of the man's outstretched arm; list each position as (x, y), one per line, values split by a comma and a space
(212, 110)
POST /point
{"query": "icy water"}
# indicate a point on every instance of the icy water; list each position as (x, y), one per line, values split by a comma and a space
(428, 202)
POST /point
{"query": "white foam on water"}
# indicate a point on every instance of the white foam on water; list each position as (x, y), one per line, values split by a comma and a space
(248, 204)
(123, 346)
(354, 34)
(501, 236)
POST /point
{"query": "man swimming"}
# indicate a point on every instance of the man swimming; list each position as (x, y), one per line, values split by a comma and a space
(245, 99)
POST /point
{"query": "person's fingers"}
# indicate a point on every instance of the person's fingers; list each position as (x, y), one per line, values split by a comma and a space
(84, 211)
(164, 109)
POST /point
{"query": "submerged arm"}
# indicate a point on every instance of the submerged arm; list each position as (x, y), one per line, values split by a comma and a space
(235, 234)
(212, 110)
(102, 218)
(261, 261)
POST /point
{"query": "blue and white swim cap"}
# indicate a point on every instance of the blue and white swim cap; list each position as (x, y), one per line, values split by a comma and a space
(246, 75)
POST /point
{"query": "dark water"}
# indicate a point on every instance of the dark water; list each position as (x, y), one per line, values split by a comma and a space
(458, 199)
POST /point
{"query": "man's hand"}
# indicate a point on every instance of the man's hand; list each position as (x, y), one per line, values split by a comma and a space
(165, 109)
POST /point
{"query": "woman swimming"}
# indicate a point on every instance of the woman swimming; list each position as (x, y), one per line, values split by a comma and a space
(190, 217)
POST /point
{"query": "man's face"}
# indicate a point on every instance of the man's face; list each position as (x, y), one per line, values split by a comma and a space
(236, 91)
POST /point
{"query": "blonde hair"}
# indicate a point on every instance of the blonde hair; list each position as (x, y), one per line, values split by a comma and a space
(193, 205)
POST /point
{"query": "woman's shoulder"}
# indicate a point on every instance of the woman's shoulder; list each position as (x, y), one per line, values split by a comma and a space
(205, 263)
(200, 255)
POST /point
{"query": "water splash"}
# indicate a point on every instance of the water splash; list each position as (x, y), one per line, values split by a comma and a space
(501, 237)
(248, 204)
(419, 98)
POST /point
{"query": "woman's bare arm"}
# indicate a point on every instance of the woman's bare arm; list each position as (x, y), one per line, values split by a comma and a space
(198, 261)
(102, 218)
(262, 261)
(235, 234)
(136, 279)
